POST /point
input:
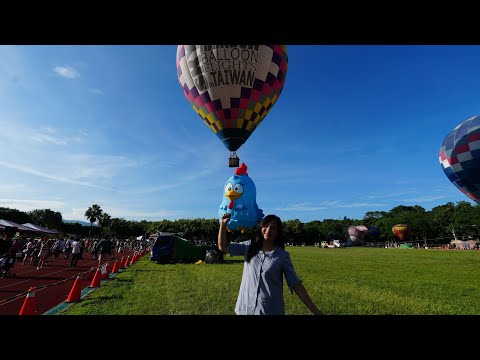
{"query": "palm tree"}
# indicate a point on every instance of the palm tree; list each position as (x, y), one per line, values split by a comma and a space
(93, 214)
(104, 220)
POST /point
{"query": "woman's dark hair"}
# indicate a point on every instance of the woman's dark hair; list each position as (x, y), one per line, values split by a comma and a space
(257, 244)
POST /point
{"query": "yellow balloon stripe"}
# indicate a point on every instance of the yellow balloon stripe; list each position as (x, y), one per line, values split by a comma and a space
(219, 125)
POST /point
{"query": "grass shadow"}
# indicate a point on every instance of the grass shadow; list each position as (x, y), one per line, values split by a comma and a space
(101, 299)
(231, 262)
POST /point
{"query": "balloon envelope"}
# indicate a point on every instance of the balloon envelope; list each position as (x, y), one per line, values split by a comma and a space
(232, 87)
(401, 231)
(459, 157)
(374, 233)
(356, 235)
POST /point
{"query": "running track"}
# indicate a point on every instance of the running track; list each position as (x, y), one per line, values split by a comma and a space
(56, 270)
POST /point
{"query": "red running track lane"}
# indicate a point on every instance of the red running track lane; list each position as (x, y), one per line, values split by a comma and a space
(56, 270)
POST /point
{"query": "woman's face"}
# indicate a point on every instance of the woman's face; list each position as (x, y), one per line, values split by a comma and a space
(270, 231)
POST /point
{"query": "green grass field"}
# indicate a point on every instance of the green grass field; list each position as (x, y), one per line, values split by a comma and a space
(340, 281)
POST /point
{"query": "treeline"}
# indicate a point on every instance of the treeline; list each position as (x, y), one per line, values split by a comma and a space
(442, 222)
(54, 220)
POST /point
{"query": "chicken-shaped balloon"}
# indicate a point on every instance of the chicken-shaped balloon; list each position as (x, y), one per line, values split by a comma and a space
(239, 200)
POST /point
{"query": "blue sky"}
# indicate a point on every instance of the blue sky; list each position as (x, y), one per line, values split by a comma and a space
(356, 129)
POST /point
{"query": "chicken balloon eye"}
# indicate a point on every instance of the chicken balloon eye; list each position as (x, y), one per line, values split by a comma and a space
(228, 187)
(238, 188)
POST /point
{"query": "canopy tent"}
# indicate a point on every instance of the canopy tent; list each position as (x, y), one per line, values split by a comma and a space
(39, 228)
(139, 237)
(406, 246)
(19, 227)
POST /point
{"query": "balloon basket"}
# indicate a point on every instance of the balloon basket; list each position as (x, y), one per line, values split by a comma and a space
(233, 160)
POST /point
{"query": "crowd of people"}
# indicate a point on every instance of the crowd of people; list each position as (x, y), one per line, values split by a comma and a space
(39, 251)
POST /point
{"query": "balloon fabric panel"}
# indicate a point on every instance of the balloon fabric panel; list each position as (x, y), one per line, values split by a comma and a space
(232, 87)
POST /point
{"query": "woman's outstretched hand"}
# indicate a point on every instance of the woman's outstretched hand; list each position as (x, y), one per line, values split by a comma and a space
(226, 218)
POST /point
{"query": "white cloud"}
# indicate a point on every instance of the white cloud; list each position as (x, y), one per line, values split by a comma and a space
(13, 187)
(66, 71)
(391, 195)
(32, 171)
(364, 204)
(50, 130)
(301, 208)
(78, 213)
(75, 214)
(153, 189)
(95, 91)
(87, 166)
(141, 214)
(330, 203)
(43, 135)
(426, 198)
(306, 206)
(45, 138)
(28, 205)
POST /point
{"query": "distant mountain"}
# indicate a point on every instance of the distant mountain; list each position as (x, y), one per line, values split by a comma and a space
(83, 223)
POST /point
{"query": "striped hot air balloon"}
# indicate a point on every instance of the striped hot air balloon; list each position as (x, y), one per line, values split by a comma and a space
(459, 157)
(401, 231)
(232, 87)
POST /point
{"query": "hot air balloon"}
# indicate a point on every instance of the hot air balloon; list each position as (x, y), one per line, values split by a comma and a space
(373, 233)
(459, 157)
(232, 87)
(401, 231)
(356, 234)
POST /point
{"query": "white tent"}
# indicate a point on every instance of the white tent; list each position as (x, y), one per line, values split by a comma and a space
(40, 228)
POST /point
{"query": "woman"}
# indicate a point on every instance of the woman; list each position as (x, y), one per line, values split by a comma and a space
(44, 252)
(28, 250)
(266, 262)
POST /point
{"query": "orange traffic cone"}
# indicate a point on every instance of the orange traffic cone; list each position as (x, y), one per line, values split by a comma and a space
(115, 268)
(30, 304)
(104, 272)
(96, 279)
(74, 295)
(122, 264)
(127, 262)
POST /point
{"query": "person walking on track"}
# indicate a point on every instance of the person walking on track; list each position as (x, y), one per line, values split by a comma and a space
(76, 252)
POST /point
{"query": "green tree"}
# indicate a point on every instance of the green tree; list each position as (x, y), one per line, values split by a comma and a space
(14, 215)
(47, 218)
(104, 221)
(294, 231)
(464, 218)
(93, 214)
(441, 220)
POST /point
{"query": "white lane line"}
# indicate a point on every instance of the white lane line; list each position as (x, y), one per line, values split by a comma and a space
(20, 282)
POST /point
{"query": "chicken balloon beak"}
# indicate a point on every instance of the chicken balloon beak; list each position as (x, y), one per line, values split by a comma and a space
(232, 195)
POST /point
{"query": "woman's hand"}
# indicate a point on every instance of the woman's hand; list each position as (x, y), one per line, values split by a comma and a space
(222, 234)
(225, 219)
